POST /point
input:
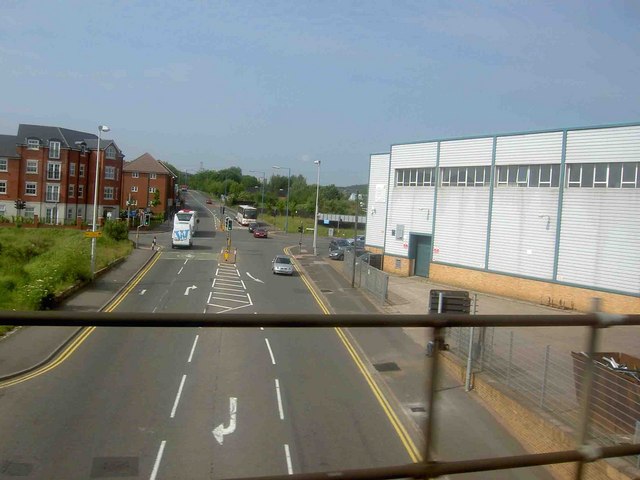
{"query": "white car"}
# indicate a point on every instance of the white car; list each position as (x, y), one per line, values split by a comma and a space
(282, 264)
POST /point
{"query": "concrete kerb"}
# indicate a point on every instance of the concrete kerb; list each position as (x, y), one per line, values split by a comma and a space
(311, 284)
(72, 337)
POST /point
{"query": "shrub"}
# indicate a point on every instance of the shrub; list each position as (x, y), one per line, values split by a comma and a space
(116, 230)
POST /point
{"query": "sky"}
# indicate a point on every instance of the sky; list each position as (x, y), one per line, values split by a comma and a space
(215, 84)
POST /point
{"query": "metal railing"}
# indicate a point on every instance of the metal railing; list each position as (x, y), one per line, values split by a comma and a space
(429, 467)
(373, 280)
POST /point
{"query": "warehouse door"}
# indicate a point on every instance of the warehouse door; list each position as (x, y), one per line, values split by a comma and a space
(421, 246)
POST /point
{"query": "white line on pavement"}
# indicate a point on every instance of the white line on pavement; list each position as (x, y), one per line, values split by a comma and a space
(154, 309)
(288, 455)
(217, 270)
(180, 271)
(243, 295)
(279, 400)
(175, 404)
(185, 262)
(230, 289)
(243, 285)
(273, 360)
(193, 349)
(230, 299)
(209, 299)
(156, 465)
(142, 292)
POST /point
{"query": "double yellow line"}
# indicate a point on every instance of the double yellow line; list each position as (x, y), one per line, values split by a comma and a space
(397, 425)
(83, 335)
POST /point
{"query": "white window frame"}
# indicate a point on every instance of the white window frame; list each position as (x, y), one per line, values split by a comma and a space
(32, 165)
(33, 144)
(3, 187)
(52, 192)
(108, 193)
(3, 210)
(29, 212)
(522, 169)
(109, 173)
(445, 172)
(80, 191)
(34, 187)
(72, 169)
(72, 190)
(56, 170)
(110, 152)
(54, 149)
(135, 174)
(134, 188)
(4, 164)
(600, 183)
(466, 174)
(152, 189)
(69, 213)
(153, 176)
(81, 170)
(627, 183)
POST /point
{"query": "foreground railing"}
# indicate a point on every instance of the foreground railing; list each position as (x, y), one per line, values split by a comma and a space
(584, 452)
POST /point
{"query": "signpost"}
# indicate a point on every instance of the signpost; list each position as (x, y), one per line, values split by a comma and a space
(90, 234)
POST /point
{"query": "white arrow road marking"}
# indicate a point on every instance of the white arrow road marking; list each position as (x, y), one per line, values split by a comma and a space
(142, 292)
(253, 278)
(219, 432)
(186, 292)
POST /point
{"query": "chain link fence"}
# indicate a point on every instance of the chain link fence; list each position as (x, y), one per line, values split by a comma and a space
(370, 278)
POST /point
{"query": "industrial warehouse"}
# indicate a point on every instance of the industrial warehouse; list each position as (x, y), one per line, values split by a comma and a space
(551, 217)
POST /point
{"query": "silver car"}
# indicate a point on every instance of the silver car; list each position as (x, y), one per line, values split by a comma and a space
(282, 264)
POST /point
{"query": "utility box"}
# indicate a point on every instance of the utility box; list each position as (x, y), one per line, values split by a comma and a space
(453, 301)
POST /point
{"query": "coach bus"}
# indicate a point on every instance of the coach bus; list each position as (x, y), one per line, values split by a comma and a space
(246, 214)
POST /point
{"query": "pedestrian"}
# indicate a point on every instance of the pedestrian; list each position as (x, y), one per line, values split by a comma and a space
(154, 243)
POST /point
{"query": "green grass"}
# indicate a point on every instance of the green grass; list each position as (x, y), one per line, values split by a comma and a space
(294, 223)
(38, 264)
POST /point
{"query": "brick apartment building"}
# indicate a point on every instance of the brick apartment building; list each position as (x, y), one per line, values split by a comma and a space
(52, 169)
(141, 179)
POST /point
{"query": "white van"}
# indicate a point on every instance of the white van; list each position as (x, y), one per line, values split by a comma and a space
(185, 225)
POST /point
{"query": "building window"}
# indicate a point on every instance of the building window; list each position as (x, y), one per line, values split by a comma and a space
(29, 212)
(3, 187)
(70, 214)
(53, 192)
(33, 144)
(411, 177)
(152, 189)
(108, 193)
(72, 190)
(134, 188)
(82, 166)
(111, 152)
(465, 176)
(3, 210)
(53, 170)
(31, 188)
(135, 174)
(54, 149)
(4, 165)
(80, 191)
(527, 176)
(72, 169)
(109, 173)
(603, 175)
(32, 166)
(152, 176)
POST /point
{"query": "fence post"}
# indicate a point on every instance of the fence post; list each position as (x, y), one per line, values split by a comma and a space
(467, 382)
(510, 358)
(544, 376)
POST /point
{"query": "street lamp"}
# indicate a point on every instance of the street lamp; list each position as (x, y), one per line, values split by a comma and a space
(101, 128)
(264, 180)
(286, 219)
(315, 220)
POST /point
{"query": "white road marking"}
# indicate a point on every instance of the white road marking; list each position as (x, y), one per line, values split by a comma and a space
(273, 360)
(243, 295)
(209, 299)
(192, 287)
(180, 271)
(175, 404)
(279, 400)
(217, 270)
(185, 262)
(156, 465)
(288, 455)
(193, 349)
(243, 285)
(219, 432)
(229, 299)
(253, 278)
(142, 292)
(154, 309)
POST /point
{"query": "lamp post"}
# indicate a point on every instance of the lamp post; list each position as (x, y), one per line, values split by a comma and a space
(315, 220)
(286, 218)
(264, 180)
(101, 128)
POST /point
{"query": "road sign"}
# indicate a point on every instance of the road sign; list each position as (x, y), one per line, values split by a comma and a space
(92, 234)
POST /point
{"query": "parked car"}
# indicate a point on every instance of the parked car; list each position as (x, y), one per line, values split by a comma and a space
(337, 247)
(209, 201)
(260, 233)
(282, 264)
(252, 226)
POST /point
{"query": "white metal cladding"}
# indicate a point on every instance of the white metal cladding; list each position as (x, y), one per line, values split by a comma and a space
(523, 231)
(462, 153)
(532, 149)
(600, 239)
(413, 155)
(377, 199)
(616, 144)
(413, 208)
(461, 226)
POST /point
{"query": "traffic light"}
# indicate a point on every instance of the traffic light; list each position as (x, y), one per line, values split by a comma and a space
(147, 219)
(229, 223)
(300, 228)
(20, 204)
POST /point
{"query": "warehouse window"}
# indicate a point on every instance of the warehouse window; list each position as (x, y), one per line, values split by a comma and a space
(465, 176)
(527, 176)
(414, 177)
(603, 175)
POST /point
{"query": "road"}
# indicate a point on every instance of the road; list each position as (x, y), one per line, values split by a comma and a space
(201, 403)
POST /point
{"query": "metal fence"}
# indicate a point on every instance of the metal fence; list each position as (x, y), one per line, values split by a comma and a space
(370, 278)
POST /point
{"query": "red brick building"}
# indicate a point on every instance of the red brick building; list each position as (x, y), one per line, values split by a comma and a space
(52, 170)
(146, 181)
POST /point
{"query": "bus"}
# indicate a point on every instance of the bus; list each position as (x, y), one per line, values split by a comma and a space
(246, 214)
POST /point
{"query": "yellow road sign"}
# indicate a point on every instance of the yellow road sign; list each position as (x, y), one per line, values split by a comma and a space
(92, 234)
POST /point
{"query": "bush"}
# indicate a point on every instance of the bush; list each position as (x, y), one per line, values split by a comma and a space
(116, 230)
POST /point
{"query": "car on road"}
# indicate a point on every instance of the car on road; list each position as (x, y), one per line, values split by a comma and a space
(337, 247)
(282, 264)
(209, 201)
(260, 233)
(253, 225)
